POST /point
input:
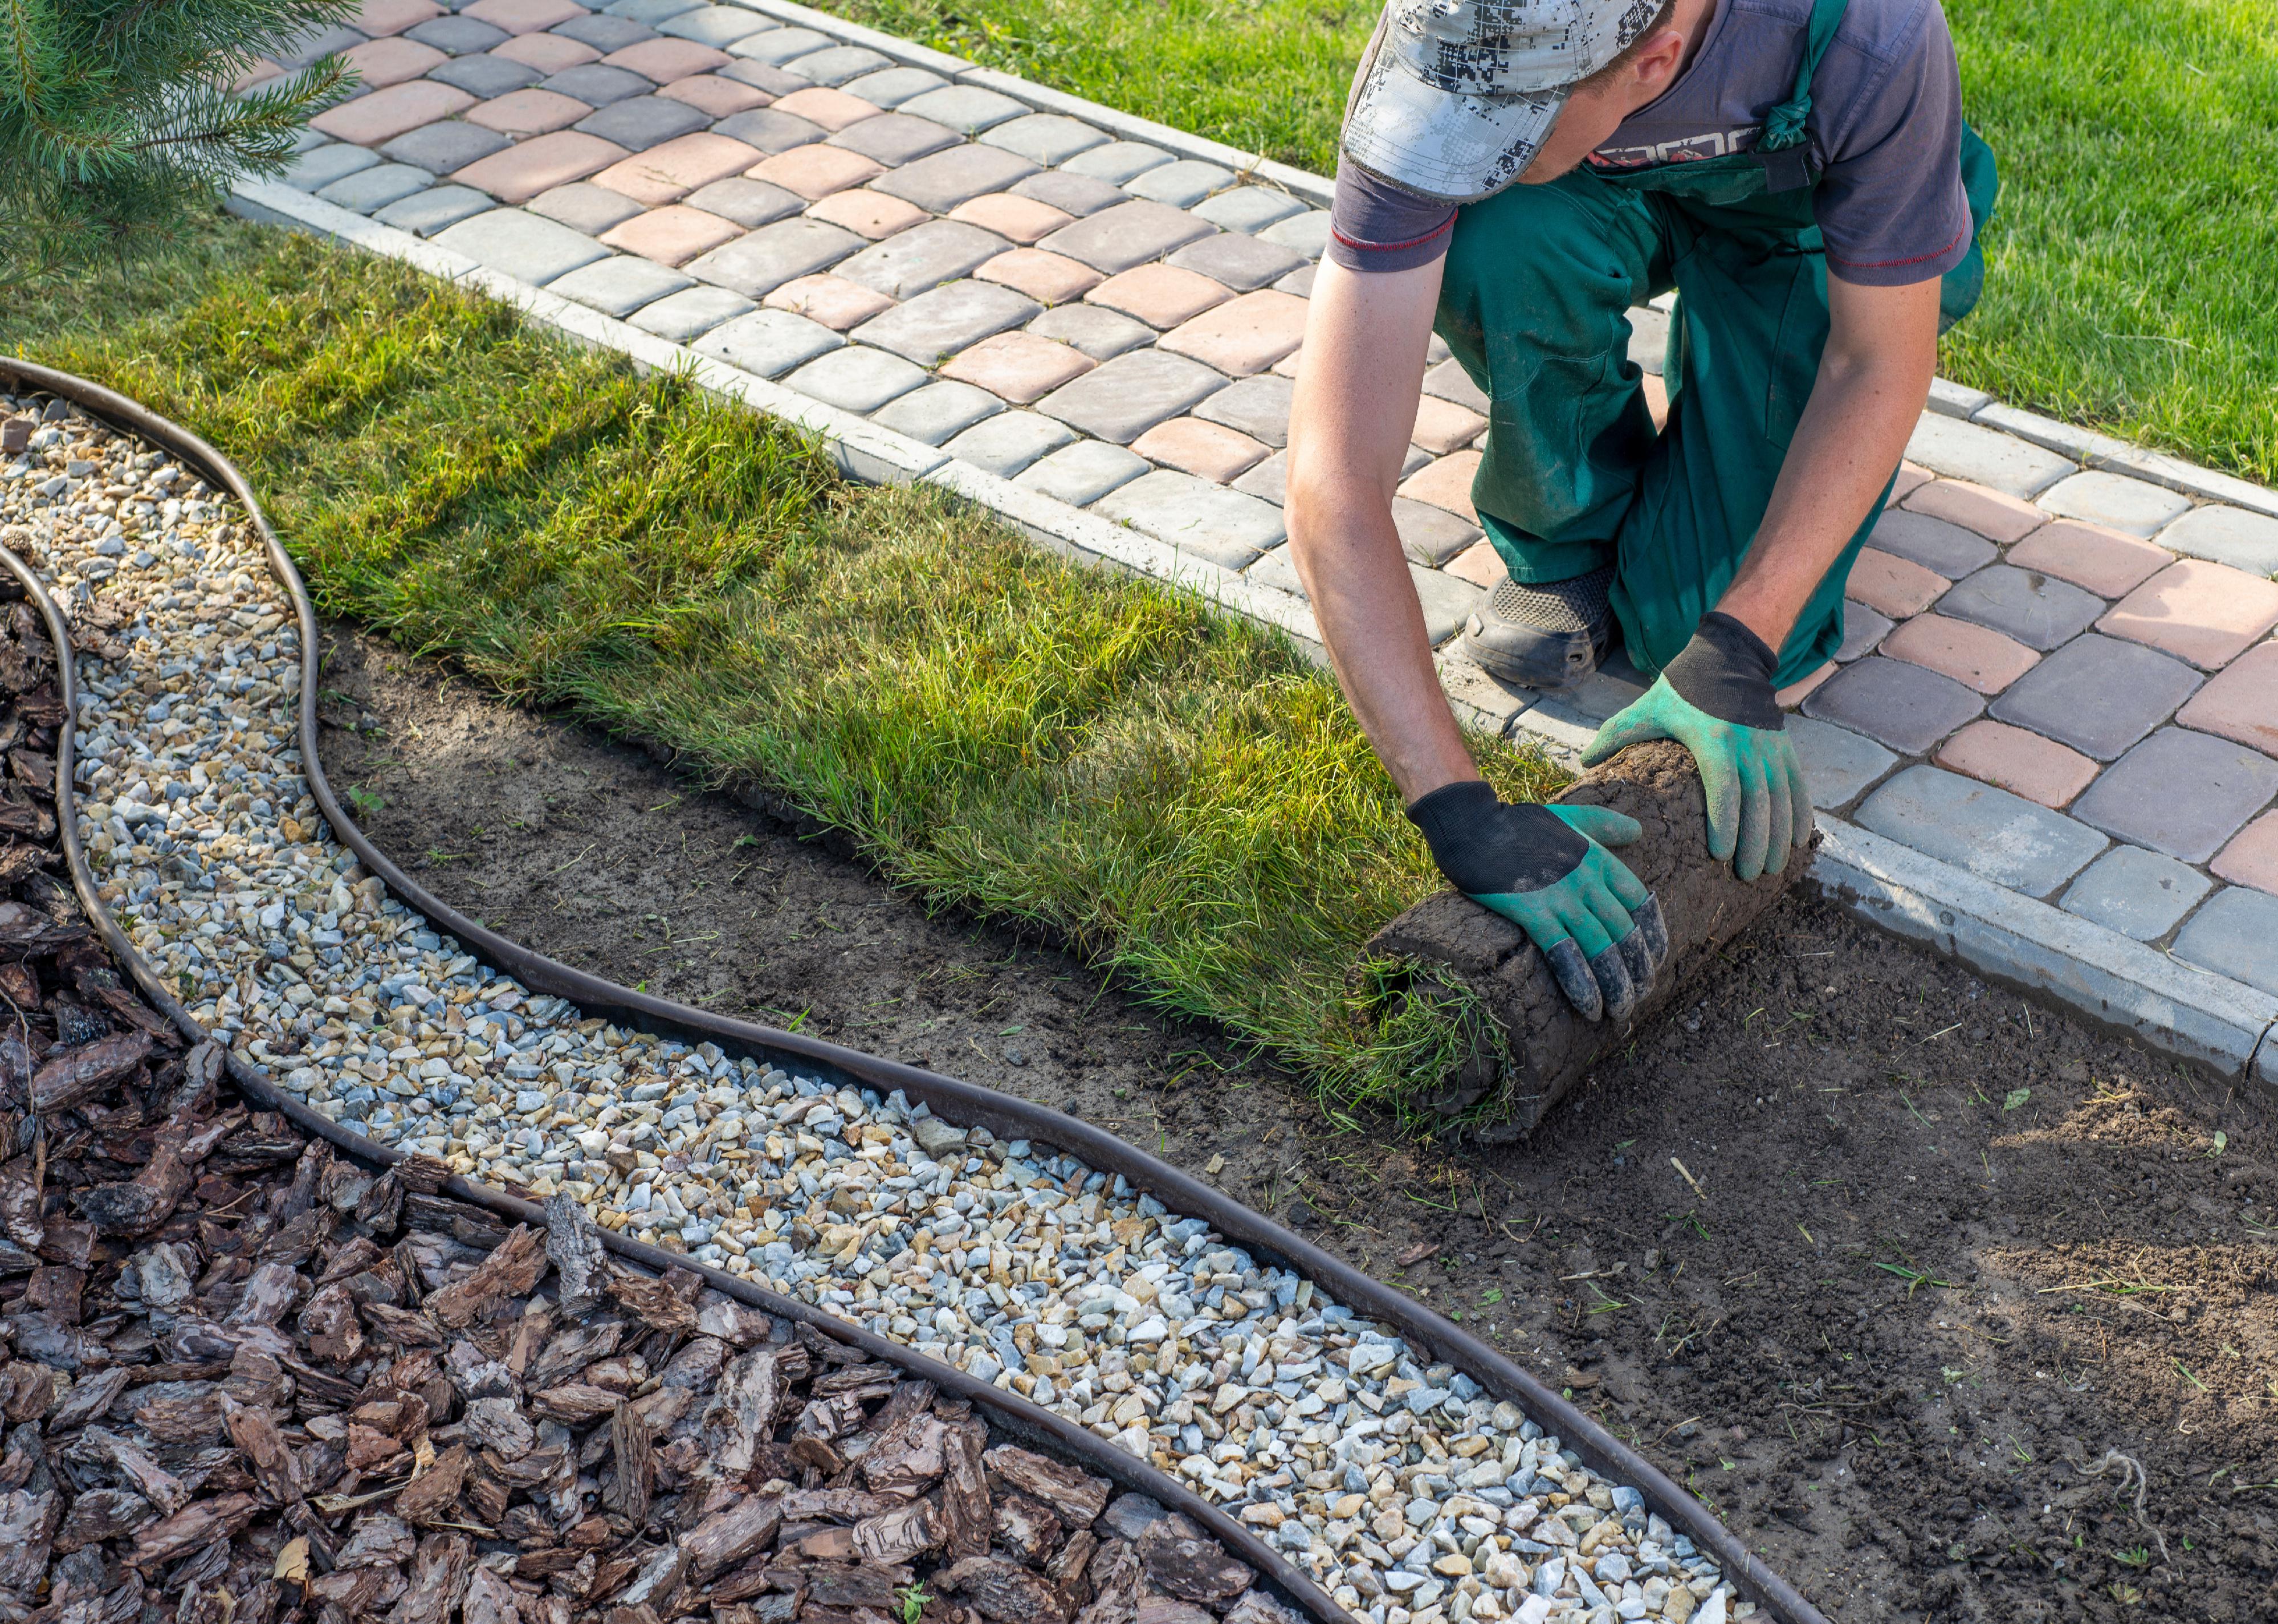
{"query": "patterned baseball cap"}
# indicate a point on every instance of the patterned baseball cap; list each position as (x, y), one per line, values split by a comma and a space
(1455, 97)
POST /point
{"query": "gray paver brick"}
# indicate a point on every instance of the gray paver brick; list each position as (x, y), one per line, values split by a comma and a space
(1046, 138)
(2039, 611)
(1077, 194)
(2232, 936)
(1082, 473)
(777, 46)
(1182, 184)
(582, 206)
(651, 12)
(603, 32)
(1307, 233)
(895, 139)
(1119, 162)
(889, 87)
(1447, 601)
(1259, 407)
(458, 36)
(769, 130)
(369, 190)
(1242, 263)
(2134, 507)
(620, 285)
(749, 203)
(2098, 694)
(756, 264)
(645, 121)
(1996, 836)
(1838, 764)
(299, 49)
(2247, 541)
(857, 377)
(2136, 892)
(908, 262)
(320, 166)
(1005, 444)
(683, 315)
(425, 213)
(939, 411)
(1122, 399)
(947, 179)
(1648, 338)
(1300, 281)
(1194, 515)
(485, 76)
(1269, 482)
(1448, 381)
(936, 325)
(2181, 792)
(1907, 707)
(1278, 570)
(1115, 239)
(762, 76)
(1862, 630)
(837, 64)
(444, 146)
(965, 107)
(523, 245)
(1948, 549)
(1431, 535)
(769, 342)
(1250, 208)
(597, 84)
(716, 25)
(1099, 332)
(1985, 456)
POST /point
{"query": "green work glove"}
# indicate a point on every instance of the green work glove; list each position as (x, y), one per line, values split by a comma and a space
(1544, 869)
(1715, 700)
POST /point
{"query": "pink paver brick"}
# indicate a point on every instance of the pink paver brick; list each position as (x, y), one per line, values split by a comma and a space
(2251, 857)
(663, 59)
(391, 61)
(380, 17)
(2104, 561)
(711, 93)
(529, 112)
(260, 74)
(834, 301)
(672, 235)
(1894, 586)
(385, 114)
(1976, 655)
(521, 172)
(1245, 335)
(1908, 480)
(1480, 565)
(1994, 514)
(2206, 613)
(1445, 483)
(1657, 399)
(2241, 701)
(1045, 277)
(666, 173)
(1020, 367)
(1287, 367)
(868, 214)
(522, 16)
(815, 171)
(1017, 219)
(1207, 450)
(1796, 692)
(2022, 763)
(1443, 426)
(548, 53)
(1160, 295)
(833, 110)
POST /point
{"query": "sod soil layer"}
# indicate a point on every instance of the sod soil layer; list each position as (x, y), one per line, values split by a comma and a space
(1936, 1254)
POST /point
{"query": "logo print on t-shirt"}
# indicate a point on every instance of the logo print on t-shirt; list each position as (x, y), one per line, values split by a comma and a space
(1685, 149)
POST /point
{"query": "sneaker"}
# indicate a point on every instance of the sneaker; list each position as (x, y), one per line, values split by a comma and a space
(1548, 634)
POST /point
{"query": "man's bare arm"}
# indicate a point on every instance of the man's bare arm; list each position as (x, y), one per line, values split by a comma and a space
(1354, 409)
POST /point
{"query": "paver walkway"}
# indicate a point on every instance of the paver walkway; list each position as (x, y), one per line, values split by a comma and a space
(2059, 676)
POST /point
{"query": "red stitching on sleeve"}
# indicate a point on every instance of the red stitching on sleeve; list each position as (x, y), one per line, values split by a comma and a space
(1893, 264)
(1391, 248)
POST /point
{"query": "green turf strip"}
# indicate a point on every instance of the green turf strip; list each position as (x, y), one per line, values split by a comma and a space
(2132, 267)
(1171, 791)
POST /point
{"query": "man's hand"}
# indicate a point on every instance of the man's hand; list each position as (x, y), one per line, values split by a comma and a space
(1715, 700)
(1545, 870)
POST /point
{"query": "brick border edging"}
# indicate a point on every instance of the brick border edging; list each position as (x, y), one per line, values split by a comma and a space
(2110, 977)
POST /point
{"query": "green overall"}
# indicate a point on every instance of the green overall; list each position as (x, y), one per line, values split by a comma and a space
(1533, 302)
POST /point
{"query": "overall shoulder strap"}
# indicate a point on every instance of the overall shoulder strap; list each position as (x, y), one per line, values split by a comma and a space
(1784, 126)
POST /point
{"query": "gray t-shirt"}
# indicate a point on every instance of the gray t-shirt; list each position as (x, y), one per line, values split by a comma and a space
(1885, 128)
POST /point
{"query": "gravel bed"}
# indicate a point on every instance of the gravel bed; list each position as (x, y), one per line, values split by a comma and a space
(1414, 1498)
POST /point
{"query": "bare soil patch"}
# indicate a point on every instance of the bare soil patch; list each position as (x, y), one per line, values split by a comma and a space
(1942, 1253)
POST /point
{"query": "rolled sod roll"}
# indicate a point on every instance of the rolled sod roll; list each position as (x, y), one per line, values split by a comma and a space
(1547, 1049)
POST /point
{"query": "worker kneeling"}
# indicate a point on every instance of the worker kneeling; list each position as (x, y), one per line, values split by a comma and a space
(1518, 174)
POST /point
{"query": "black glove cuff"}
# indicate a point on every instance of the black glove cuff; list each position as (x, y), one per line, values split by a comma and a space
(1487, 847)
(1726, 671)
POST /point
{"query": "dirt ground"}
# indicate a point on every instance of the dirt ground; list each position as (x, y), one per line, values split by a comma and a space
(1936, 1253)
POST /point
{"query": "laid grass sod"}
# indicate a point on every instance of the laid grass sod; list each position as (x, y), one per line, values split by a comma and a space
(1173, 793)
(2133, 265)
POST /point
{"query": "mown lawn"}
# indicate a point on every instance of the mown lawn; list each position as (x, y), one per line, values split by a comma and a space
(2134, 261)
(1173, 793)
